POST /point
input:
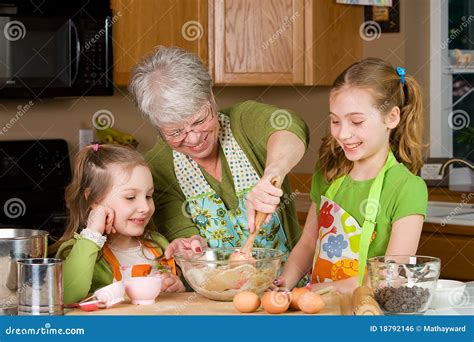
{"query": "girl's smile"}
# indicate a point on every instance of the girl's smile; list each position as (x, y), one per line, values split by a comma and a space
(131, 199)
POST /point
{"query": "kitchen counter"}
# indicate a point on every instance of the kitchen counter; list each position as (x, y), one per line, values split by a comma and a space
(301, 185)
(191, 303)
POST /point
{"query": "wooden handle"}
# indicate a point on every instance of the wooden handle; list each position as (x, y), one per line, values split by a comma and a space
(364, 303)
(259, 219)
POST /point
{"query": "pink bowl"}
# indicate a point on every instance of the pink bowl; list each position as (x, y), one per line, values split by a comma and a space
(143, 290)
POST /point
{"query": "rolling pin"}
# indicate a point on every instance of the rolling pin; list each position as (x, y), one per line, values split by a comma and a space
(364, 303)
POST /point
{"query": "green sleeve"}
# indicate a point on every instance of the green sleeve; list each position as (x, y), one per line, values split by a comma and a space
(318, 188)
(412, 199)
(170, 217)
(80, 256)
(259, 121)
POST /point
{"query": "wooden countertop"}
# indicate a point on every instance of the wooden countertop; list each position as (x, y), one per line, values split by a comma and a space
(191, 303)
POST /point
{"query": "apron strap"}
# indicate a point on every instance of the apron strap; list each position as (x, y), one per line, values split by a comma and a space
(113, 261)
(372, 207)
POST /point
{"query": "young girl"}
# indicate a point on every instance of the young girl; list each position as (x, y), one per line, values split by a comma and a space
(110, 204)
(367, 199)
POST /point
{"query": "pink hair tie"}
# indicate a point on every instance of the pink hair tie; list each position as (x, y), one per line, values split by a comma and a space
(95, 147)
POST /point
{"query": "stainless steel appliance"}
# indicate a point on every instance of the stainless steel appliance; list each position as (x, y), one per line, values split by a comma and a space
(55, 48)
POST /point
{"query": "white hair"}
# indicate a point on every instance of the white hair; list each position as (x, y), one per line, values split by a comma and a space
(170, 85)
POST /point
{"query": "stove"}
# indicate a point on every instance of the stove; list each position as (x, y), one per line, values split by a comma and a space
(33, 176)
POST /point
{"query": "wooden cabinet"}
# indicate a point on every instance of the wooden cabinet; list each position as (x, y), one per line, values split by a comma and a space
(243, 42)
(258, 42)
(454, 245)
(140, 25)
(282, 42)
(332, 39)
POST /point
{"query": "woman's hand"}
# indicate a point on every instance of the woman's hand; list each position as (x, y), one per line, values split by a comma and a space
(171, 283)
(277, 284)
(195, 243)
(101, 220)
(264, 197)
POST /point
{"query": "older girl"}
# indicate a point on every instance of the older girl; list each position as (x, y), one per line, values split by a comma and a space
(367, 199)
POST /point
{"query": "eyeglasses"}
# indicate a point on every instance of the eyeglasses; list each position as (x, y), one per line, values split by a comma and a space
(198, 125)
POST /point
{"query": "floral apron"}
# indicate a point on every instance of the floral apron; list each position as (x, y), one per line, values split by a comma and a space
(223, 227)
(342, 245)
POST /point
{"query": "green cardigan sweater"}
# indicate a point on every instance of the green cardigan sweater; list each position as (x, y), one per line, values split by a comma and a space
(85, 270)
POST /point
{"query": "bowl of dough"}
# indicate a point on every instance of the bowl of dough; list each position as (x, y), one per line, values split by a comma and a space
(214, 275)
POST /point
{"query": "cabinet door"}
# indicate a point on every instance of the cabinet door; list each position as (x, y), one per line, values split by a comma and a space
(333, 40)
(455, 251)
(140, 25)
(258, 42)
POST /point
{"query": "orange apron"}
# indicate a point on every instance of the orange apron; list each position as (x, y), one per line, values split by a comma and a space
(139, 270)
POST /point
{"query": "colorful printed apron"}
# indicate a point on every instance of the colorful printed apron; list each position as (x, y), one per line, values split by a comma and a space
(139, 270)
(223, 227)
(342, 245)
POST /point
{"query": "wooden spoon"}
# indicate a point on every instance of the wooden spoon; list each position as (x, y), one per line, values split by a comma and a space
(245, 253)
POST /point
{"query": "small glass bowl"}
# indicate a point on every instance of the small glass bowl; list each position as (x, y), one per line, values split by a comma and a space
(404, 284)
(210, 274)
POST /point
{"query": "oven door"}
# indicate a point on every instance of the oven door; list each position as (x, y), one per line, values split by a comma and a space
(38, 55)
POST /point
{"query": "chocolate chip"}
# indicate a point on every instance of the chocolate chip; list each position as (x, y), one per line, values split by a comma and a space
(402, 299)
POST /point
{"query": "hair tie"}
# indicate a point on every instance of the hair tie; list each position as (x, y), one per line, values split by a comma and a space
(95, 147)
(401, 72)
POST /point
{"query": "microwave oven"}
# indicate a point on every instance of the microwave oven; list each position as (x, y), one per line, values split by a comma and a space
(54, 48)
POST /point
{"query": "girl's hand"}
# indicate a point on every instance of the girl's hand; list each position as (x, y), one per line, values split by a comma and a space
(263, 197)
(195, 243)
(277, 284)
(171, 283)
(101, 220)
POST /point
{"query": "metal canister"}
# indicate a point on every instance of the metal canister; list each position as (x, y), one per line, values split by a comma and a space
(17, 244)
(40, 286)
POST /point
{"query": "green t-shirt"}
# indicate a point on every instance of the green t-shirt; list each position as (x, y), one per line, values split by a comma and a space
(251, 126)
(403, 194)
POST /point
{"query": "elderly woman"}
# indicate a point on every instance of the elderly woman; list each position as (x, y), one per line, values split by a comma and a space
(212, 169)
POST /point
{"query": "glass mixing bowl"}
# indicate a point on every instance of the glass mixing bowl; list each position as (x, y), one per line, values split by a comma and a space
(210, 274)
(404, 284)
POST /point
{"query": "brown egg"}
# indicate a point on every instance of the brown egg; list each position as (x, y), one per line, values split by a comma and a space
(295, 296)
(246, 302)
(275, 302)
(311, 303)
